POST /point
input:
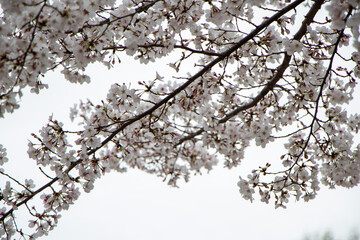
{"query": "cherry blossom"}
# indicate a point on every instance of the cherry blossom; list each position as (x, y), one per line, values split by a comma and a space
(287, 75)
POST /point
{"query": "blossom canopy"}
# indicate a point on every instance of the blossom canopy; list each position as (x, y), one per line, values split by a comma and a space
(258, 72)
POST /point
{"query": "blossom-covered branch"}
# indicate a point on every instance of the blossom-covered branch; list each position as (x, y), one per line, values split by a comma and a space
(256, 80)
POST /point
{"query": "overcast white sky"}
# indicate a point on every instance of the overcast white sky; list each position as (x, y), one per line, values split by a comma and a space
(137, 206)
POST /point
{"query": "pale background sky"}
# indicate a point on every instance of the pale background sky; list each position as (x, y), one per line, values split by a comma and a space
(137, 206)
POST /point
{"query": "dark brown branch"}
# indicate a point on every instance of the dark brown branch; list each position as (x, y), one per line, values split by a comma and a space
(163, 46)
(190, 136)
(13, 179)
(327, 74)
(137, 10)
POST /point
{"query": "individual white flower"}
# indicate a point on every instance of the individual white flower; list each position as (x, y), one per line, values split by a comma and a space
(3, 158)
(292, 46)
(245, 190)
(2, 211)
(29, 183)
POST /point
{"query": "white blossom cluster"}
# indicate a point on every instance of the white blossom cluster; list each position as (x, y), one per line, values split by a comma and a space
(286, 75)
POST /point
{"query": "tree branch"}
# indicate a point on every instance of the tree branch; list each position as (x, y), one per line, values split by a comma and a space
(162, 46)
(327, 74)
